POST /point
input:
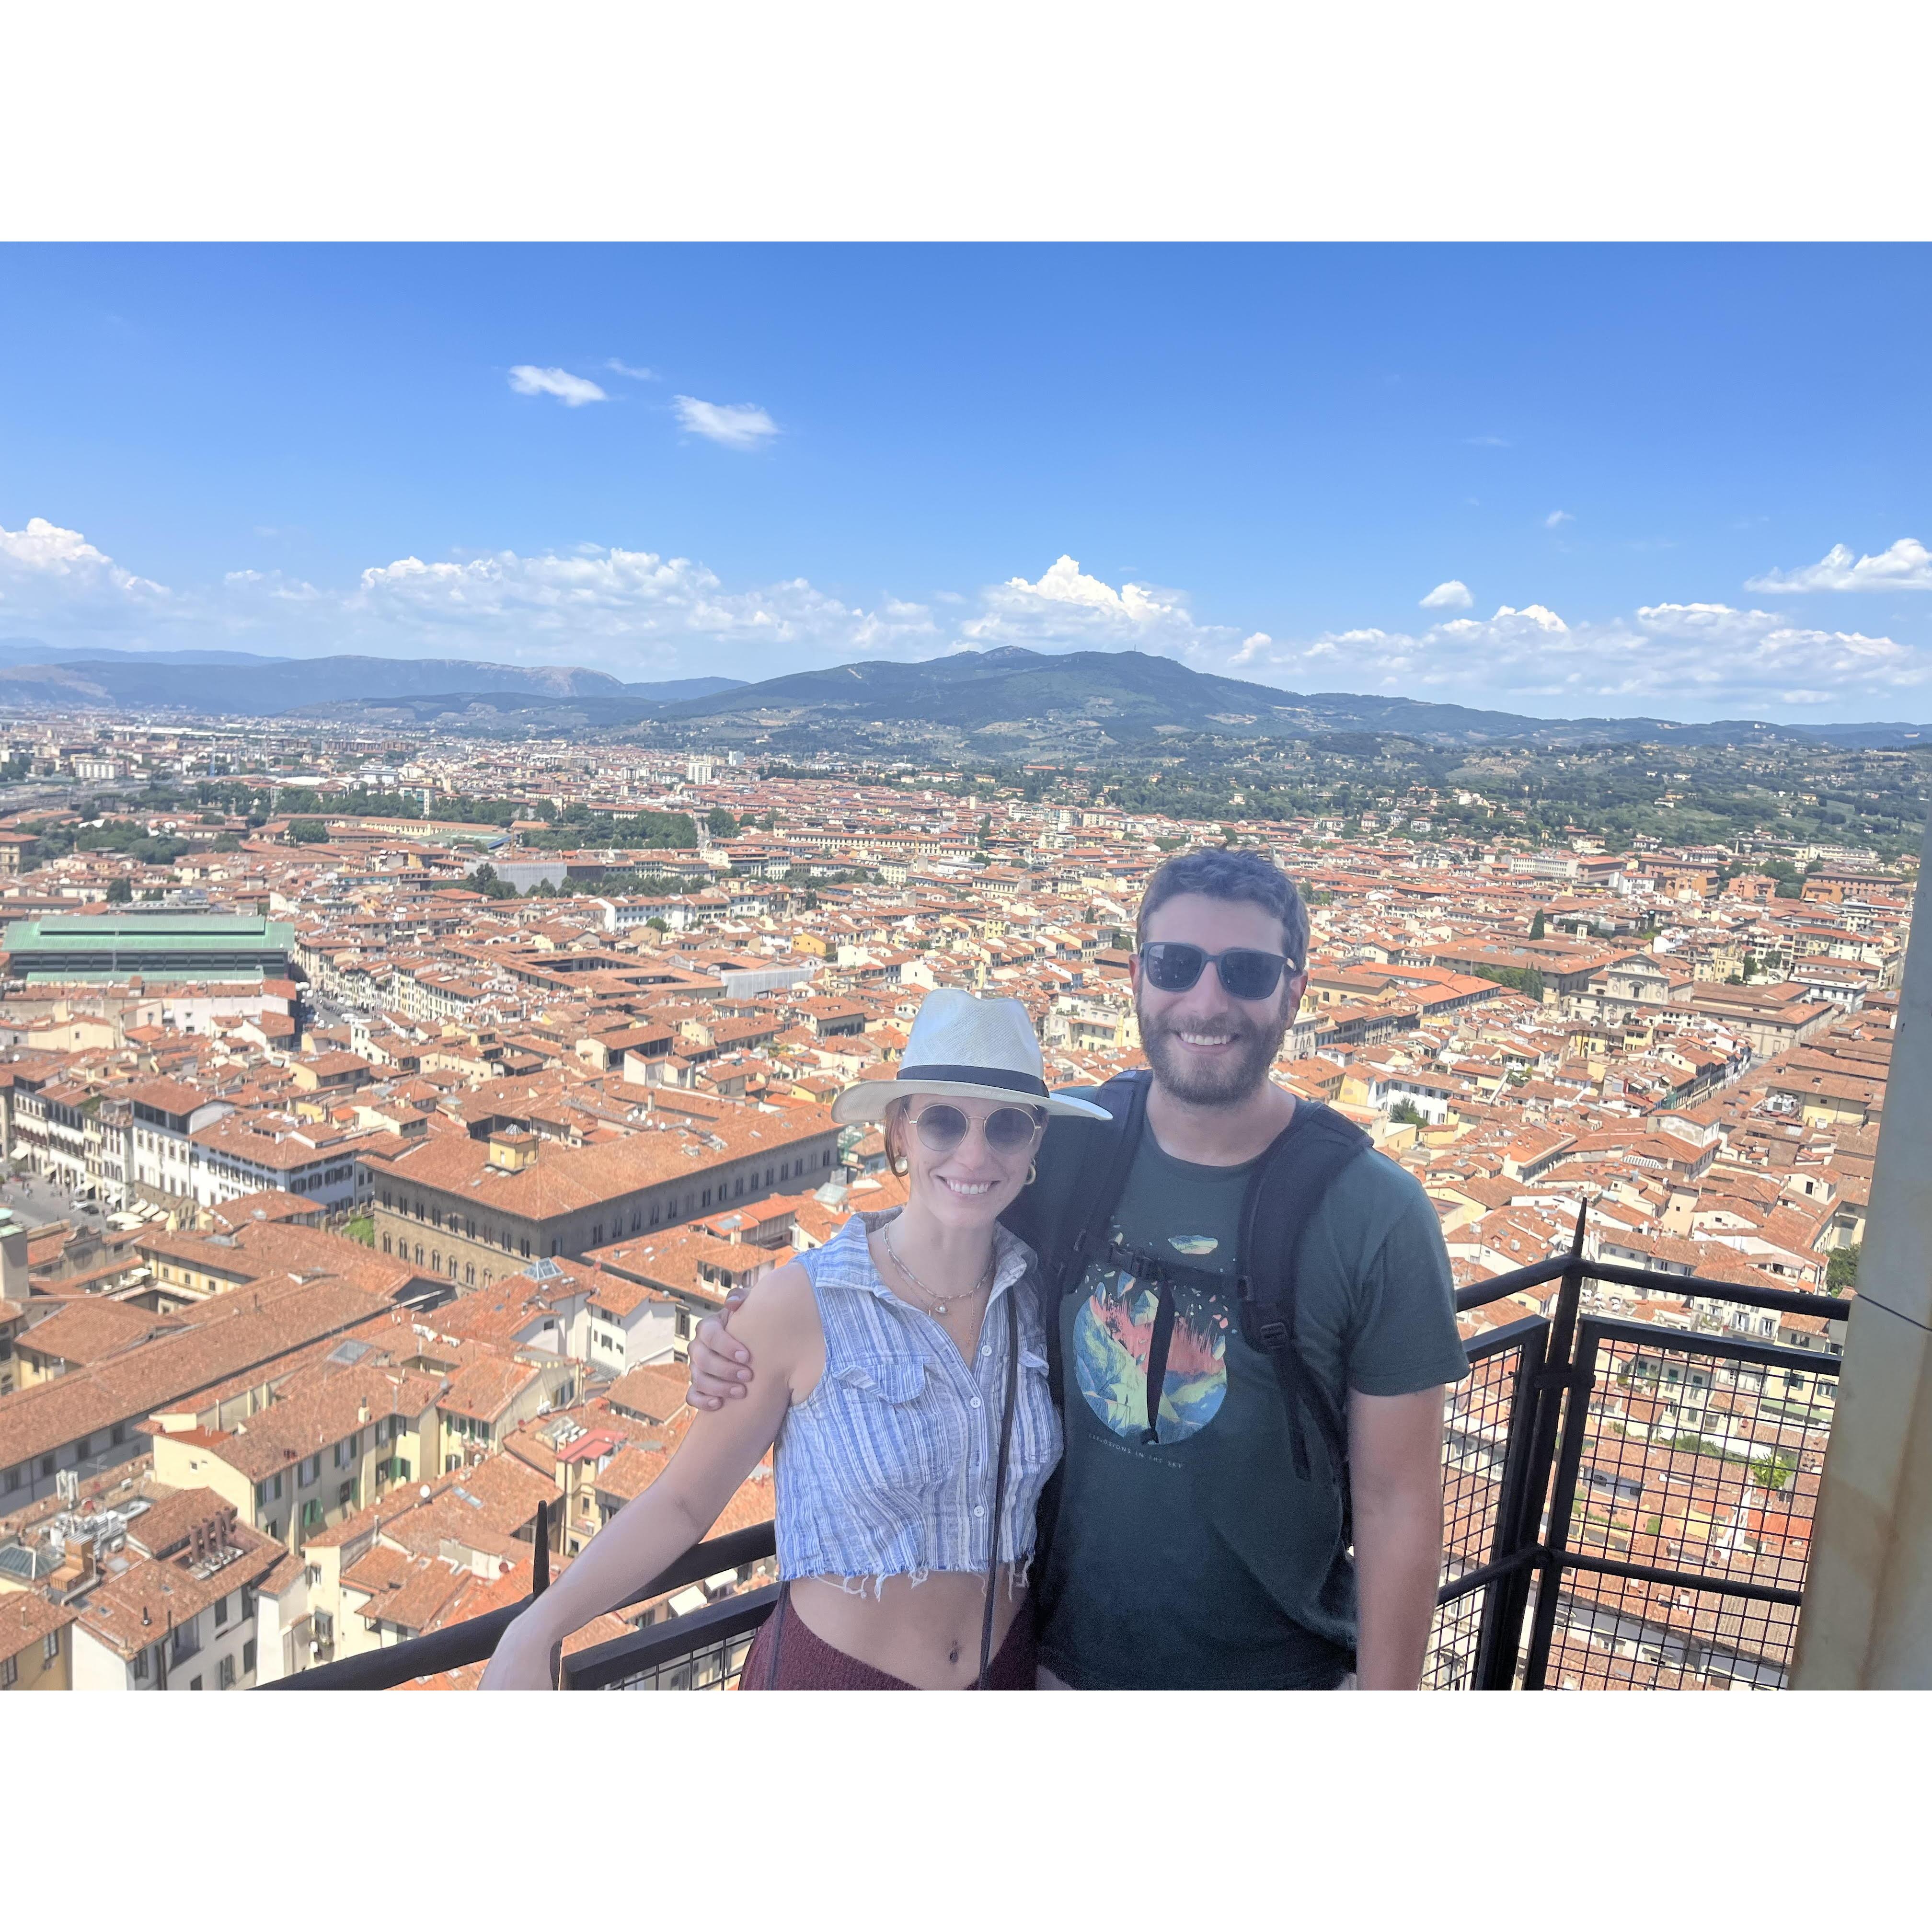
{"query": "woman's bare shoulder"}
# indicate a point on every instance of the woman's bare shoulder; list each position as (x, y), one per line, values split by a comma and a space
(782, 1303)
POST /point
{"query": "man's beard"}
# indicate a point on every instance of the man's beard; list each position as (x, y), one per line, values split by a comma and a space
(1229, 1082)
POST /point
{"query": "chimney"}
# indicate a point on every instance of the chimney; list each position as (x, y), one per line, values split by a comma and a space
(362, 1412)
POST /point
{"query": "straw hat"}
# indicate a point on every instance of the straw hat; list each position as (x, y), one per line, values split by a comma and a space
(971, 1049)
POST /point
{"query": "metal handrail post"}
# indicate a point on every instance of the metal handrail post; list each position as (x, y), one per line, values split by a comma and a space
(1527, 1532)
(1581, 1380)
(1499, 1633)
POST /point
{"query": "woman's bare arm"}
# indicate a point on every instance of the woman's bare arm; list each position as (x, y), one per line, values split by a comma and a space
(719, 1450)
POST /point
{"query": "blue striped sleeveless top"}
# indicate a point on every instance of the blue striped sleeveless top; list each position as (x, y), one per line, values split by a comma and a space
(887, 1468)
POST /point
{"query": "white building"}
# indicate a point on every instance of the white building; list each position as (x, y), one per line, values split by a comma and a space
(173, 1606)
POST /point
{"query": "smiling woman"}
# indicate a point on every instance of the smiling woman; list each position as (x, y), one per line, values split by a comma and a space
(903, 1387)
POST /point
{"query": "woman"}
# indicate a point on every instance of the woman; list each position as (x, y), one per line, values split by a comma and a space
(914, 1427)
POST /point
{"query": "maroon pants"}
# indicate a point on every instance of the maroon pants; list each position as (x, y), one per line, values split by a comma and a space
(788, 1655)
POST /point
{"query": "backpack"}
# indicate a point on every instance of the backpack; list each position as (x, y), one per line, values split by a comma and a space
(1065, 1216)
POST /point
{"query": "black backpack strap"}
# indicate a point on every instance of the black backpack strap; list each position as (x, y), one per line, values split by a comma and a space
(1158, 1345)
(1065, 1217)
(1110, 1152)
(1288, 1185)
(1007, 1408)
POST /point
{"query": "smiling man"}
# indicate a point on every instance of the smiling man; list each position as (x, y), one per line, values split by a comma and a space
(1202, 1537)
(1255, 1324)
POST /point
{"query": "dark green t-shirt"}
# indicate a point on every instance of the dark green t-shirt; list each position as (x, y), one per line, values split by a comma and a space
(1200, 1561)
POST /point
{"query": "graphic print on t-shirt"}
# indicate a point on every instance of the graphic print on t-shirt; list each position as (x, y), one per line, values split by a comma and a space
(1113, 1333)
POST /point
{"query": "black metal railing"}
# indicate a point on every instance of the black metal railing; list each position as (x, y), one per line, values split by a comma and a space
(1652, 1525)
(1625, 1503)
(475, 1641)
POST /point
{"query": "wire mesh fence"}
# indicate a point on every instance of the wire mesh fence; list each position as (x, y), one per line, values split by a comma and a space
(714, 1667)
(1477, 1432)
(1682, 1511)
(1623, 1633)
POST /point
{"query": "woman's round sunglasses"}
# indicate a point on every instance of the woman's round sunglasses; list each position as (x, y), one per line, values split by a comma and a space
(1172, 967)
(941, 1128)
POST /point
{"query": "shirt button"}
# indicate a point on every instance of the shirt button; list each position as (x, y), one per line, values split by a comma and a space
(976, 1402)
(978, 1509)
(986, 1348)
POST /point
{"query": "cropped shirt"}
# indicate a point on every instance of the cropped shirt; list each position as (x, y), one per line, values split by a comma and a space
(887, 1468)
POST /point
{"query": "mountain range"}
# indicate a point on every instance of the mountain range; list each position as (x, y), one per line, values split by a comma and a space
(256, 686)
(1010, 702)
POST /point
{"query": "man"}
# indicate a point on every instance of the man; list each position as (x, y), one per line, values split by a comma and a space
(1206, 1544)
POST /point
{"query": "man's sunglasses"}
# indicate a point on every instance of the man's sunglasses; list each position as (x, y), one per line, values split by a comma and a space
(1170, 966)
(941, 1128)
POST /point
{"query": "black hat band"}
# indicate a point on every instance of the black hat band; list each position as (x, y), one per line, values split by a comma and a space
(978, 1076)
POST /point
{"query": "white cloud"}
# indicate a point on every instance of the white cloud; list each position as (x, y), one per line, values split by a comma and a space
(1066, 609)
(573, 391)
(736, 425)
(1674, 660)
(1906, 566)
(45, 551)
(637, 613)
(1556, 519)
(54, 580)
(272, 584)
(635, 375)
(601, 603)
(1453, 595)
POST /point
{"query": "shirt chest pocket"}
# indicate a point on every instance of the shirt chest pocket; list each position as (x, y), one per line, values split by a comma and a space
(906, 1432)
(1035, 1424)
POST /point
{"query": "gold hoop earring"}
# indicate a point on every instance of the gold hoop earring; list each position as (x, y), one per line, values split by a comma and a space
(1033, 1172)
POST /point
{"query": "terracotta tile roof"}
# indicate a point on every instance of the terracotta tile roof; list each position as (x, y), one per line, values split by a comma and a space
(340, 1401)
(26, 1618)
(486, 1388)
(92, 1330)
(565, 1179)
(243, 1330)
(166, 1589)
(655, 1392)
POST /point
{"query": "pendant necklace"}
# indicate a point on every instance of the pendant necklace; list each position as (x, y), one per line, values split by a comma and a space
(938, 1306)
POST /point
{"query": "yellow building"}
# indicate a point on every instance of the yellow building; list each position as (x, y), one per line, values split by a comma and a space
(305, 1463)
(36, 1648)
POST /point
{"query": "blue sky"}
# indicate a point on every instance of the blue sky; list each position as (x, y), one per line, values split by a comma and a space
(1685, 480)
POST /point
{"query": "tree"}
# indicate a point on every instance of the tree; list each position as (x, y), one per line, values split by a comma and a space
(1771, 1472)
(1408, 1113)
(119, 892)
(1536, 925)
(722, 824)
(1841, 1269)
(307, 831)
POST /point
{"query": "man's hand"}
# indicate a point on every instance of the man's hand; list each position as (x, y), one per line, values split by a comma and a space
(721, 1365)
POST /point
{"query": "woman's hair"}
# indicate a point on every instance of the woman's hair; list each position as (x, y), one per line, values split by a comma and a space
(1218, 872)
(893, 1119)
